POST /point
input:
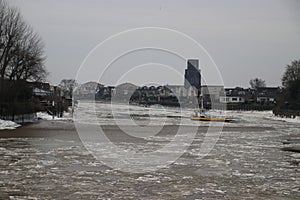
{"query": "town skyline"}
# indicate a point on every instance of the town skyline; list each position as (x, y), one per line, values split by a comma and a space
(241, 37)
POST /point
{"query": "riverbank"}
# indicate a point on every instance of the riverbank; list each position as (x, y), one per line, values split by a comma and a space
(287, 113)
(6, 123)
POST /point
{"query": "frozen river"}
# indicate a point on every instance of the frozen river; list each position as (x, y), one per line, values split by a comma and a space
(47, 159)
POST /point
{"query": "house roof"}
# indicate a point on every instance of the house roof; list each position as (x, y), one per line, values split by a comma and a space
(126, 86)
(91, 83)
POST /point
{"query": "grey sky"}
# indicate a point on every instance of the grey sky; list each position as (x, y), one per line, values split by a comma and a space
(246, 39)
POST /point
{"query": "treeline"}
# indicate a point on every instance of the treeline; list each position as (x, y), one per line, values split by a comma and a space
(289, 102)
(21, 60)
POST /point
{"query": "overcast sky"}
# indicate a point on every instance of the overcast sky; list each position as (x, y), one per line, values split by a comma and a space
(246, 39)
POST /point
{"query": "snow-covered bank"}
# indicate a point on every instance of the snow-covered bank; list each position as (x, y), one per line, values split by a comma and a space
(287, 119)
(46, 116)
(248, 115)
(4, 125)
(9, 125)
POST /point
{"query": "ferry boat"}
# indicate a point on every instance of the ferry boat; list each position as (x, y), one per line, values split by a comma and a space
(200, 114)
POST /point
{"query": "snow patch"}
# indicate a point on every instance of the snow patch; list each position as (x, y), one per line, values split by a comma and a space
(8, 125)
(46, 116)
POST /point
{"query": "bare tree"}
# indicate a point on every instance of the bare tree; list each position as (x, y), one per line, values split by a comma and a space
(21, 49)
(291, 82)
(21, 59)
(257, 83)
(291, 74)
(67, 86)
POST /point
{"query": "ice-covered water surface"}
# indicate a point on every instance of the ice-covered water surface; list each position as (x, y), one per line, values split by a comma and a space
(246, 163)
(112, 114)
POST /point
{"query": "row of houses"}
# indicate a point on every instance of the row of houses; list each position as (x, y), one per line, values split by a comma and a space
(209, 93)
(240, 95)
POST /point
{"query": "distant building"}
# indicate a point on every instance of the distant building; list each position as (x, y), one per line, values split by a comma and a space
(265, 99)
(163, 91)
(212, 92)
(39, 88)
(192, 76)
(238, 91)
(125, 89)
(105, 93)
(183, 92)
(232, 99)
(87, 90)
(178, 90)
(267, 94)
(241, 95)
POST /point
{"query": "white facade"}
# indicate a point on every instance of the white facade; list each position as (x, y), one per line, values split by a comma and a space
(265, 99)
(231, 99)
